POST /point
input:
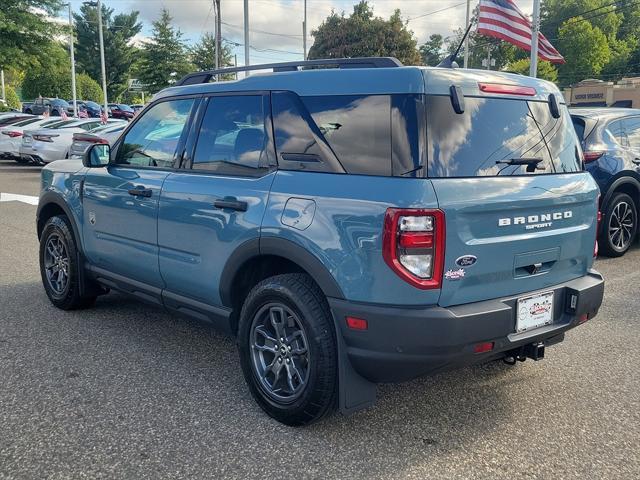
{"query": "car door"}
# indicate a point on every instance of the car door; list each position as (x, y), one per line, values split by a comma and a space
(216, 202)
(631, 140)
(120, 201)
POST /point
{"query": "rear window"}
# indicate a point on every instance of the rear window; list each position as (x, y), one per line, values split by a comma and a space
(578, 125)
(27, 122)
(493, 134)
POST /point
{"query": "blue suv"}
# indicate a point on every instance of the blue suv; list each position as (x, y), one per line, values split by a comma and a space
(610, 140)
(350, 222)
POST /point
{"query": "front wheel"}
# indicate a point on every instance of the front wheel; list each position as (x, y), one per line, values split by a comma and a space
(59, 265)
(620, 226)
(288, 349)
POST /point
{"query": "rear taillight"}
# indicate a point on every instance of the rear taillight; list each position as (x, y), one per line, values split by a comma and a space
(598, 221)
(13, 134)
(591, 156)
(413, 245)
(44, 138)
(78, 137)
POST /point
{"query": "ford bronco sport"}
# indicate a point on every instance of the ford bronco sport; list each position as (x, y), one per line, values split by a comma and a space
(351, 225)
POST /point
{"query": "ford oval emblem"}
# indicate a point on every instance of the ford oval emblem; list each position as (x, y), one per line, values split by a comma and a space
(466, 260)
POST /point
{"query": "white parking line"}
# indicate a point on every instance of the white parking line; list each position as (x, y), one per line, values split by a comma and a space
(14, 197)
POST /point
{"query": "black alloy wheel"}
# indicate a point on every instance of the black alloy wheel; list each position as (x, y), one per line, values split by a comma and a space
(620, 226)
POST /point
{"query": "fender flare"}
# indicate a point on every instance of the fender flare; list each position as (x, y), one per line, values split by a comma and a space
(623, 179)
(279, 247)
(55, 198)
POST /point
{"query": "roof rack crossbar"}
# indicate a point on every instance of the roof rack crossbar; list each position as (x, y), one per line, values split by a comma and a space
(362, 62)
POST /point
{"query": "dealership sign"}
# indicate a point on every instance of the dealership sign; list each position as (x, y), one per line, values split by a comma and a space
(136, 85)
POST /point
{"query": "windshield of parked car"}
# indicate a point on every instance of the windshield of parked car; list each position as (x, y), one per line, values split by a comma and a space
(28, 121)
(499, 136)
(92, 105)
(125, 108)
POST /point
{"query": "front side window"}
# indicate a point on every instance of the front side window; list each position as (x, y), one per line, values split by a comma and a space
(232, 138)
(497, 137)
(153, 140)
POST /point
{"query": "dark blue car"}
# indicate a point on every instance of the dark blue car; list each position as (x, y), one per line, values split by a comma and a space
(350, 226)
(611, 142)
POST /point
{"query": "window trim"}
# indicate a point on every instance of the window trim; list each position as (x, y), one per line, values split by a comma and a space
(186, 166)
(181, 143)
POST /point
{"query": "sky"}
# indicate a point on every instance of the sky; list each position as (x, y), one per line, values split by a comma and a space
(276, 25)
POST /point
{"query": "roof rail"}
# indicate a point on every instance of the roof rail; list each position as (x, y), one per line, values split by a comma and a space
(361, 62)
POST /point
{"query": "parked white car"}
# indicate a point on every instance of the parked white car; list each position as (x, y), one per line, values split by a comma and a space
(104, 134)
(50, 144)
(11, 135)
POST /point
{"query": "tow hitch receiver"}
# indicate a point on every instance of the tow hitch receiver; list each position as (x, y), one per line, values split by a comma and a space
(534, 351)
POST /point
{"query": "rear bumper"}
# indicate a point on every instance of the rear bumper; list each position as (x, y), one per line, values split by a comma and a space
(402, 343)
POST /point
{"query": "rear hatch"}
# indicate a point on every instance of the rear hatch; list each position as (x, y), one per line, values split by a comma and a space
(520, 213)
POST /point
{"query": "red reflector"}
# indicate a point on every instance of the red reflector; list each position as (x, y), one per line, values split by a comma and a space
(583, 318)
(591, 156)
(416, 239)
(483, 347)
(357, 323)
(506, 89)
(13, 134)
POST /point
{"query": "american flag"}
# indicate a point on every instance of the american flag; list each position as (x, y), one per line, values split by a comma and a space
(104, 117)
(504, 20)
(63, 115)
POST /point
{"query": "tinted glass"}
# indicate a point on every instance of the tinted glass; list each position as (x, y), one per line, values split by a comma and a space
(92, 105)
(232, 136)
(153, 140)
(494, 133)
(357, 127)
(631, 126)
(125, 108)
(578, 125)
(616, 131)
(27, 122)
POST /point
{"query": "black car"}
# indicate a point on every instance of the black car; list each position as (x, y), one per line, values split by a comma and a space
(92, 108)
(611, 142)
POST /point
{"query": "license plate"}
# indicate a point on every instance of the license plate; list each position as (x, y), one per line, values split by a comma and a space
(534, 311)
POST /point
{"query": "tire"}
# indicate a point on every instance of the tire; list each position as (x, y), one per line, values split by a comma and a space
(21, 161)
(55, 113)
(28, 111)
(620, 226)
(58, 251)
(308, 359)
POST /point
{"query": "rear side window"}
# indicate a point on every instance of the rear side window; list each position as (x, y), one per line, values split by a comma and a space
(360, 134)
(578, 125)
(232, 138)
(631, 127)
(494, 133)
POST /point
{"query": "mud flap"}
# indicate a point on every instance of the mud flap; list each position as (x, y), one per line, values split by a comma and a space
(354, 391)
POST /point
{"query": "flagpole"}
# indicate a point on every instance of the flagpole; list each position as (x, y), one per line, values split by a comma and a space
(535, 29)
(466, 40)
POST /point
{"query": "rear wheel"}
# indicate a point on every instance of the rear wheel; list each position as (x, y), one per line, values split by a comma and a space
(287, 349)
(59, 267)
(620, 226)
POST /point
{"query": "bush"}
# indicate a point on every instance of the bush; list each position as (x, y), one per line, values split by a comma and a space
(12, 98)
(88, 89)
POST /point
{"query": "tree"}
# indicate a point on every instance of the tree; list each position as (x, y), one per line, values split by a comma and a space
(25, 30)
(164, 56)
(119, 52)
(203, 53)
(13, 102)
(585, 49)
(432, 50)
(364, 35)
(50, 79)
(546, 70)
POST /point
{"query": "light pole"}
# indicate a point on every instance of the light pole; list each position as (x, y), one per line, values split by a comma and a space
(304, 31)
(4, 96)
(535, 28)
(466, 40)
(73, 64)
(246, 36)
(98, 4)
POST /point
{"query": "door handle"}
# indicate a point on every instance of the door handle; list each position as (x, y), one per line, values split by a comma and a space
(140, 192)
(231, 203)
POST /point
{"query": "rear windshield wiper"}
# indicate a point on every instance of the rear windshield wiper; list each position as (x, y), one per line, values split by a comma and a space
(531, 163)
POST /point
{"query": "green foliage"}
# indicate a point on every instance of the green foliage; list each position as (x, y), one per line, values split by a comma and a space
(364, 35)
(432, 51)
(164, 59)
(546, 70)
(88, 89)
(25, 30)
(50, 79)
(12, 98)
(585, 49)
(203, 53)
(119, 54)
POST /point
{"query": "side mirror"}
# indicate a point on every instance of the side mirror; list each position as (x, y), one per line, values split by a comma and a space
(97, 155)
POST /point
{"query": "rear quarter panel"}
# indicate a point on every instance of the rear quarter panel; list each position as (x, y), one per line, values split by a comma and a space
(346, 231)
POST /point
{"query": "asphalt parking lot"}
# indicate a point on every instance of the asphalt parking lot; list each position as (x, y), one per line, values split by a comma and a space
(127, 391)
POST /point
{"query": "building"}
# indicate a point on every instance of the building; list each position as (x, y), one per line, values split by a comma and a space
(599, 93)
